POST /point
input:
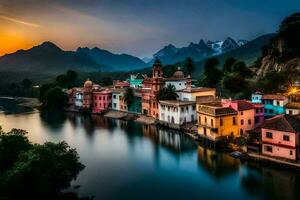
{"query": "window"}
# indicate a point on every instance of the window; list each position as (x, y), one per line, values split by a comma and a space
(212, 122)
(187, 108)
(286, 138)
(256, 110)
(205, 119)
(233, 121)
(249, 121)
(242, 122)
(182, 109)
(268, 148)
(269, 135)
(291, 152)
(114, 96)
(199, 119)
(242, 113)
(290, 112)
(256, 120)
(194, 107)
(115, 105)
(221, 122)
(277, 103)
(271, 111)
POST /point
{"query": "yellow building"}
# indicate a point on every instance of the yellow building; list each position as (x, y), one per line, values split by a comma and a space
(215, 122)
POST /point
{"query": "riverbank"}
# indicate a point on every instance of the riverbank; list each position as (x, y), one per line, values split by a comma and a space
(25, 101)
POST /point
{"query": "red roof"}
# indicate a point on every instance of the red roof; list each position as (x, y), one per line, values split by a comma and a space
(274, 97)
(243, 105)
(285, 123)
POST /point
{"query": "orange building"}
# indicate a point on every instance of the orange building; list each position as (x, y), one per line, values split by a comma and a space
(151, 87)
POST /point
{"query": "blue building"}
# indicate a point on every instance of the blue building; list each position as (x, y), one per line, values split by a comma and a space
(256, 97)
(274, 104)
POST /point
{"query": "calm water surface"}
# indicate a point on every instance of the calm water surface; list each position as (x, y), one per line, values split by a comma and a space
(127, 160)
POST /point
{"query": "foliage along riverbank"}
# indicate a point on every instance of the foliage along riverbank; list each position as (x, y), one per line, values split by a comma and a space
(36, 171)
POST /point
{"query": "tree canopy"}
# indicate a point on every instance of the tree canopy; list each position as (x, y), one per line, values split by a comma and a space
(167, 93)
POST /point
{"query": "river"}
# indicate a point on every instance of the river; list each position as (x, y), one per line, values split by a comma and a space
(127, 160)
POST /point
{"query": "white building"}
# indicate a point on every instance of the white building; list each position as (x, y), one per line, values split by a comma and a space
(178, 80)
(174, 113)
(292, 108)
(78, 99)
(117, 94)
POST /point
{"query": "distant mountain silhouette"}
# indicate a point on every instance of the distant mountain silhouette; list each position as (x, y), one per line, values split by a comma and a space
(48, 58)
(197, 51)
(118, 61)
(248, 52)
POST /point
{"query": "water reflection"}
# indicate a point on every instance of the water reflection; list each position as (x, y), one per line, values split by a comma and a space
(218, 164)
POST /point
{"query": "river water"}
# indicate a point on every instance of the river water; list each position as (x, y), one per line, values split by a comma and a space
(127, 160)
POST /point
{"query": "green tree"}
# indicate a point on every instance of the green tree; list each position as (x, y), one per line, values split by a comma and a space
(234, 83)
(227, 67)
(62, 80)
(129, 96)
(72, 77)
(12, 144)
(241, 68)
(212, 74)
(167, 93)
(272, 82)
(55, 98)
(26, 83)
(189, 65)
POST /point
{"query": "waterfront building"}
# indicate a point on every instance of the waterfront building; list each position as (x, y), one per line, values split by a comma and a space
(136, 81)
(87, 95)
(174, 113)
(117, 94)
(215, 122)
(151, 87)
(256, 97)
(102, 100)
(246, 113)
(178, 80)
(78, 99)
(274, 104)
(196, 94)
(292, 108)
(280, 137)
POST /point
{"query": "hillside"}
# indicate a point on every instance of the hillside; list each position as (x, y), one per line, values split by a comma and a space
(49, 59)
(123, 62)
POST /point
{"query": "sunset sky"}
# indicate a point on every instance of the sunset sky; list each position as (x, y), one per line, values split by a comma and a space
(136, 27)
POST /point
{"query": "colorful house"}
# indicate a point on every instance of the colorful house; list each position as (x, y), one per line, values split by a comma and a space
(259, 116)
(87, 95)
(151, 87)
(215, 122)
(102, 100)
(78, 99)
(274, 104)
(117, 94)
(174, 113)
(136, 106)
(256, 97)
(280, 137)
(292, 108)
(246, 114)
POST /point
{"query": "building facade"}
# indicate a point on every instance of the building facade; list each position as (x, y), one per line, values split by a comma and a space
(177, 112)
(292, 108)
(280, 137)
(216, 122)
(246, 114)
(274, 104)
(102, 100)
(151, 87)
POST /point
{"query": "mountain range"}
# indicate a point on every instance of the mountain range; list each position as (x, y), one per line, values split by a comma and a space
(197, 51)
(47, 58)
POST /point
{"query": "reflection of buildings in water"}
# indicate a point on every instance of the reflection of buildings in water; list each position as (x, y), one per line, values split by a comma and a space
(172, 140)
(216, 163)
(53, 120)
(103, 122)
(273, 183)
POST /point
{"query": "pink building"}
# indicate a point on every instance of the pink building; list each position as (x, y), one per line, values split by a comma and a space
(280, 137)
(259, 116)
(101, 100)
(246, 114)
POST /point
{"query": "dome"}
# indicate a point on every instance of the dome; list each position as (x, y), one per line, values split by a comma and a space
(178, 73)
(88, 83)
